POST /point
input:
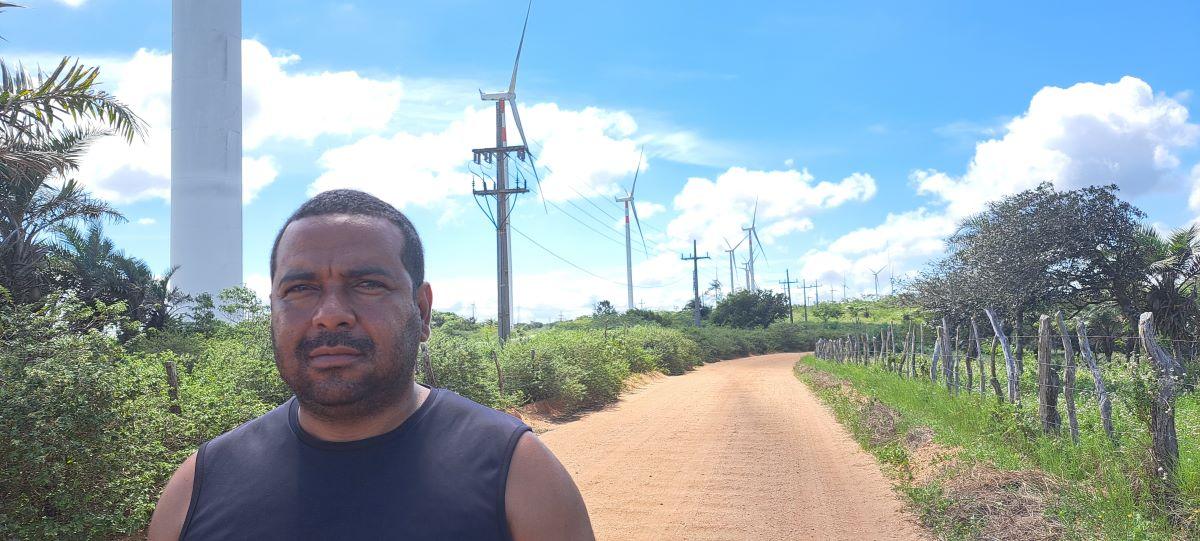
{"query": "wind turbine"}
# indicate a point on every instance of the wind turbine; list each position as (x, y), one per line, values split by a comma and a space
(732, 284)
(501, 190)
(628, 200)
(510, 96)
(752, 235)
(876, 273)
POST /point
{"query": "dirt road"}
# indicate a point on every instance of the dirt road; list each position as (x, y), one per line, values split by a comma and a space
(734, 450)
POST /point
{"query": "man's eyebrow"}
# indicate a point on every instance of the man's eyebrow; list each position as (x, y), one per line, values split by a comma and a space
(369, 271)
(298, 275)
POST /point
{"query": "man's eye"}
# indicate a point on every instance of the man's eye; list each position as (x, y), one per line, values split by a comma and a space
(298, 288)
(370, 284)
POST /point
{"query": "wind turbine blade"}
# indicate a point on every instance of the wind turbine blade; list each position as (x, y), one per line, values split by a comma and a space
(727, 244)
(520, 129)
(639, 226)
(528, 152)
(760, 243)
(635, 174)
(754, 217)
(512, 85)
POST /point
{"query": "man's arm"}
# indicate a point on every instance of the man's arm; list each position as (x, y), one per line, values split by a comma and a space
(167, 522)
(540, 499)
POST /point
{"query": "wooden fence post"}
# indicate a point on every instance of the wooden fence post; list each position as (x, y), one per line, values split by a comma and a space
(1162, 411)
(967, 358)
(933, 360)
(172, 387)
(948, 364)
(499, 373)
(1085, 349)
(1048, 382)
(1068, 376)
(1010, 365)
(978, 356)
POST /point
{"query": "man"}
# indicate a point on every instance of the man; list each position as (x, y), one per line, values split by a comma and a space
(362, 451)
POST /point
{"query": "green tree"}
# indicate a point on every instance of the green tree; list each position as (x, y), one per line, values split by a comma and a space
(747, 309)
(827, 311)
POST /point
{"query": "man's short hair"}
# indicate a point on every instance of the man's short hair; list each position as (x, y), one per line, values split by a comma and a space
(356, 203)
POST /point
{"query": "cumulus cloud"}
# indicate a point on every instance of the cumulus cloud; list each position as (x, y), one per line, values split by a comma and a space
(1117, 133)
(711, 210)
(146, 221)
(278, 105)
(1120, 133)
(73, 3)
(579, 153)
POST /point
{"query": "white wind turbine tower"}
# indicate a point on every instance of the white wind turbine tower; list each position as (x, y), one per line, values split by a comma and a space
(876, 274)
(628, 200)
(732, 283)
(206, 145)
(501, 189)
(752, 235)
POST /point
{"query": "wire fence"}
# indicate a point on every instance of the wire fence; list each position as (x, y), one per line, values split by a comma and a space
(1063, 367)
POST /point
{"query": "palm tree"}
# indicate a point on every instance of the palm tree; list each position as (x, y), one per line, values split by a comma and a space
(1170, 287)
(38, 110)
(29, 210)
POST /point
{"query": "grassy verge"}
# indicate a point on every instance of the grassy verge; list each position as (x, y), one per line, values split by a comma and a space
(972, 468)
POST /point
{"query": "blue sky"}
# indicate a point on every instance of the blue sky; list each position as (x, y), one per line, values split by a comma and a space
(865, 130)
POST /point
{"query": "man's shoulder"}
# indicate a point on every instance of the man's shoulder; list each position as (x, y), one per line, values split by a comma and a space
(255, 431)
(455, 406)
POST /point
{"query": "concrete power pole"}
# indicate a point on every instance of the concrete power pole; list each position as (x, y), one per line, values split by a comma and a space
(695, 282)
(787, 273)
(501, 190)
(804, 291)
(206, 145)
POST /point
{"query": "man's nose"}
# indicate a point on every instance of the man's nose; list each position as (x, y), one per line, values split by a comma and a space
(334, 310)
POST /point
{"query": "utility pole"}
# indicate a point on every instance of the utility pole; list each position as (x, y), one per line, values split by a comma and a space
(787, 273)
(804, 289)
(472, 312)
(843, 286)
(831, 294)
(695, 259)
(501, 190)
(817, 290)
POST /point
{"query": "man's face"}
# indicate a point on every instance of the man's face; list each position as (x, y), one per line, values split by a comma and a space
(345, 322)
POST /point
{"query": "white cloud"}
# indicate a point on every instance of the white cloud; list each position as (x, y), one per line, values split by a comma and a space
(261, 285)
(712, 210)
(146, 221)
(280, 103)
(1194, 199)
(257, 173)
(588, 152)
(73, 3)
(1121, 133)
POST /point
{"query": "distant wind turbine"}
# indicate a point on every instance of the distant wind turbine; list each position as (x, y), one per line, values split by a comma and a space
(629, 204)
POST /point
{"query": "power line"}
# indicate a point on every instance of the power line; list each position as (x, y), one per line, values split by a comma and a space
(580, 268)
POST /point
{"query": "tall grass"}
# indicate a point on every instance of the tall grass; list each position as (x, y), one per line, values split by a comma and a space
(1106, 488)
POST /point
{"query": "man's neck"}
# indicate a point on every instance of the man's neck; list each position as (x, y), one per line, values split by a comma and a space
(361, 428)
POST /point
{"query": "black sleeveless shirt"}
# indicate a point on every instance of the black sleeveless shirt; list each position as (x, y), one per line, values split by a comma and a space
(439, 475)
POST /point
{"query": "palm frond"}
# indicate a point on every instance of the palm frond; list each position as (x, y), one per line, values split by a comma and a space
(32, 106)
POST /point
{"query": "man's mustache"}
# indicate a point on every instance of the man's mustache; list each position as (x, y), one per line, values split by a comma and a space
(364, 345)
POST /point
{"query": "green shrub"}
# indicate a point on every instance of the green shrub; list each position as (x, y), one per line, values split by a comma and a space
(84, 431)
(672, 351)
(464, 364)
(577, 367)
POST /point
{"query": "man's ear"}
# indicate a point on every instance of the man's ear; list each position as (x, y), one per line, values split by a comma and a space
(425, 304)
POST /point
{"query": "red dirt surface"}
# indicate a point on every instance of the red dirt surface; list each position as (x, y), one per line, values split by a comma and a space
(738, 449)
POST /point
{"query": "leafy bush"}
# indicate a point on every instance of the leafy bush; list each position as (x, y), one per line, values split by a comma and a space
(465, 365)
(746, 309)
(671, 350)
(85, 437)
(577, 367)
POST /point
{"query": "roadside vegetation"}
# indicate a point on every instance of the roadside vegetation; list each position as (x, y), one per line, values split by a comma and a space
(974, 468)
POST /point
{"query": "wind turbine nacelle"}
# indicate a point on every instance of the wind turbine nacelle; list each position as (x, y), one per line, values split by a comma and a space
(497, 96)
